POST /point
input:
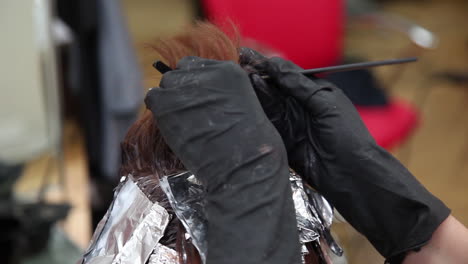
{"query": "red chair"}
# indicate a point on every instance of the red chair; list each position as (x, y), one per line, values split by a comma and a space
(391, 124)
(310, 33)
(295, 28)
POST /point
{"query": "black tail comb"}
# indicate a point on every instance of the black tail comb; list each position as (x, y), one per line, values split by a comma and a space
(163, 68)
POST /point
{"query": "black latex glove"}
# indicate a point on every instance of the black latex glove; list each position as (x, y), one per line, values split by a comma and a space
(209, 115)
(333, 150)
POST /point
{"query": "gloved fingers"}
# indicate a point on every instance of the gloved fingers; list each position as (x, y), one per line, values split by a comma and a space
(332, 103)
(273, 67)
(273, 102)
(151, 97)
(162, 100)
(193, 62)
(211, 72)
(156, 100)
(187, 70)
(265, 93)
(278, 66)
(288, 78)
(192, 69)
(199, 82)
(321, 98)
(251, 57)
(177, 78)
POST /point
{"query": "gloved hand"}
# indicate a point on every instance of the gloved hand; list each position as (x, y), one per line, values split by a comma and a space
(210, 117)
(329, 145)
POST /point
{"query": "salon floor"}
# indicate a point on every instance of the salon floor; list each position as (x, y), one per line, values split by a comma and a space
(438, 149)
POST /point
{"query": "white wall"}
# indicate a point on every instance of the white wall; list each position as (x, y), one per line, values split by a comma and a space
(24, 124)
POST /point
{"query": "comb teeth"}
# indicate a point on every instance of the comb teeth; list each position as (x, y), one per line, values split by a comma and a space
(161, 67)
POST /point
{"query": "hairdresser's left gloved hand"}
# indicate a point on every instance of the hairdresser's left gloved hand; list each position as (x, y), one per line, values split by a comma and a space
(209, 115)
(338, 156)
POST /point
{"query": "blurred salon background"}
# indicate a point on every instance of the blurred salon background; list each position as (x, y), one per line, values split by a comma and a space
(73, 74)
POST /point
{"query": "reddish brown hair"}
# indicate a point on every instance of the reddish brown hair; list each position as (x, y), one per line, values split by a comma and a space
(144, 151)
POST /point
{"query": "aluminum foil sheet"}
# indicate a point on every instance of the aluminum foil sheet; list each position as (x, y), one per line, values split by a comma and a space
(323, 211)
(130, 230)
(186, 195)
(163, 255)
(309, 224)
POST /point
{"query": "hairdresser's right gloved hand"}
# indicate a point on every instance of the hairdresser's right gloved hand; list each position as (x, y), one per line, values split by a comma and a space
(210, 117)
(329, 145)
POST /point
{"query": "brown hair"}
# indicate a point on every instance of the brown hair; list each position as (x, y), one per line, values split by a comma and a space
(145, 154)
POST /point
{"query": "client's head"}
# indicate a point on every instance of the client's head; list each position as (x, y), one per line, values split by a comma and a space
(145, 154)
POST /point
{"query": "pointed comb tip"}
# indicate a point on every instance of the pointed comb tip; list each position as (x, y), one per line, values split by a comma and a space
(161, 67)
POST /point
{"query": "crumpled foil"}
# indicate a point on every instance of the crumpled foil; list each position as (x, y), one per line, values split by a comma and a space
(314, 216)
(308, 223)
(130, 230)
(163, 255)
(186, 196)
(323, 211)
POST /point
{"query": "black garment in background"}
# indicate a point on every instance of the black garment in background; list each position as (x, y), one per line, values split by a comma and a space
(24, 226)
(10, 227)
(9, 174)
(103, 77)
(360, 86)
